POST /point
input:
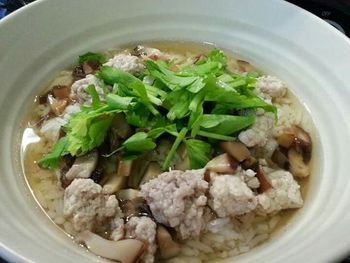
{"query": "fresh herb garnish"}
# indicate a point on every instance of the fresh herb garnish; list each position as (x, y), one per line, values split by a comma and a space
(90, 56)
(52, 159)
(197, 104)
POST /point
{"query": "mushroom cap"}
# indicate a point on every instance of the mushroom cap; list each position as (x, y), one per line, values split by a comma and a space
(124, 251)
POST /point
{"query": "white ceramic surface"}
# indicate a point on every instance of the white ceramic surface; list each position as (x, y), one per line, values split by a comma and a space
(311, 56)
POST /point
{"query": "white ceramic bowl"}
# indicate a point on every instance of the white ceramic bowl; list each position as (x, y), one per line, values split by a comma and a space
(311, 56)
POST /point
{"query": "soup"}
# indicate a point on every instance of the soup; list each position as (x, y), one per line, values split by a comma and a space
(170, 152)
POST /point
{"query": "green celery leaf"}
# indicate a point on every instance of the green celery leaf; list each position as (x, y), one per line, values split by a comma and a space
(155, 133)
(96, 102)
(181, 136)
(98, 130)
(52, 159)
(118, 102)
(196, 86)
(138, 116)
(169, 78)
(90, 56)
(178, 103)
(195, 121)
(215, 136)
(218, 56)
(225, 124)
(87, 129)
(196, 103)
(128, 85)
(138, 142)
(221, 95)
(198, 153)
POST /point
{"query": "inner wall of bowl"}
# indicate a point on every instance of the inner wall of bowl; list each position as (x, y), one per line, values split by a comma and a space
(301, 71)
(245, 45)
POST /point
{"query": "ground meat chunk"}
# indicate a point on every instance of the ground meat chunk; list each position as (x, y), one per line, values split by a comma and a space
(78, 89)
(177, 199)
(85, 204)
(126, 62)
(144, 229)
(260, 132)
(117, 224)
(148, 52)
(230, 195)
(270, 87)
(153, 53)
(285, 193)
(51, 128)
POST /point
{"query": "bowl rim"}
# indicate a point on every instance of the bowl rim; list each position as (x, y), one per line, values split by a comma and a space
(11, 255)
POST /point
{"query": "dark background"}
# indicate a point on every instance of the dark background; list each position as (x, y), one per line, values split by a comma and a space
(335, 12)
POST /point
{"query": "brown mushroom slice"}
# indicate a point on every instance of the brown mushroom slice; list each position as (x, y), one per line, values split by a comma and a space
(295, 136)
(297, 166)
(168, 248)
(183, 163)
(60, 92)
(121, 126)
(286, 139)
(303, 143)
(280, 159)
(124, 167)
(114, 184)
(153, 170)
(57, 105)
(249, 163)
(138, 171)
(264, 182)
(236, 149)
(83, 166)
(222, 163)
(90, 66)
(78, 72)
(244, 66)
(128, 194)
(123, 251)
(135, 207)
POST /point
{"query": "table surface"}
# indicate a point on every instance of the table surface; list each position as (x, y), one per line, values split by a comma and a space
(317, 7)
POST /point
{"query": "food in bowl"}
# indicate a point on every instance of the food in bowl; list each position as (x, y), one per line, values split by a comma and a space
(179, 153)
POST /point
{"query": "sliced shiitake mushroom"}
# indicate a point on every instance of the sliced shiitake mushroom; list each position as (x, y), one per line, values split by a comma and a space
(279, 158)
(244, 66)
(118, 180)
(78, 72)
(153, 170)
(297, 166)
(184, 162)
(299, 146)
(83, 166)
(124, 167)
(114, 184)
(223, 163)
(168, 248)
(97, 174)
(60, 91)
(138, 170)
(264, 182)
(299, 139)
(128, 194)
(57, 105)
(236, 149)
(120, 126)
(90, 66)
(123, 251)
(135, 207)
(249, 163)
